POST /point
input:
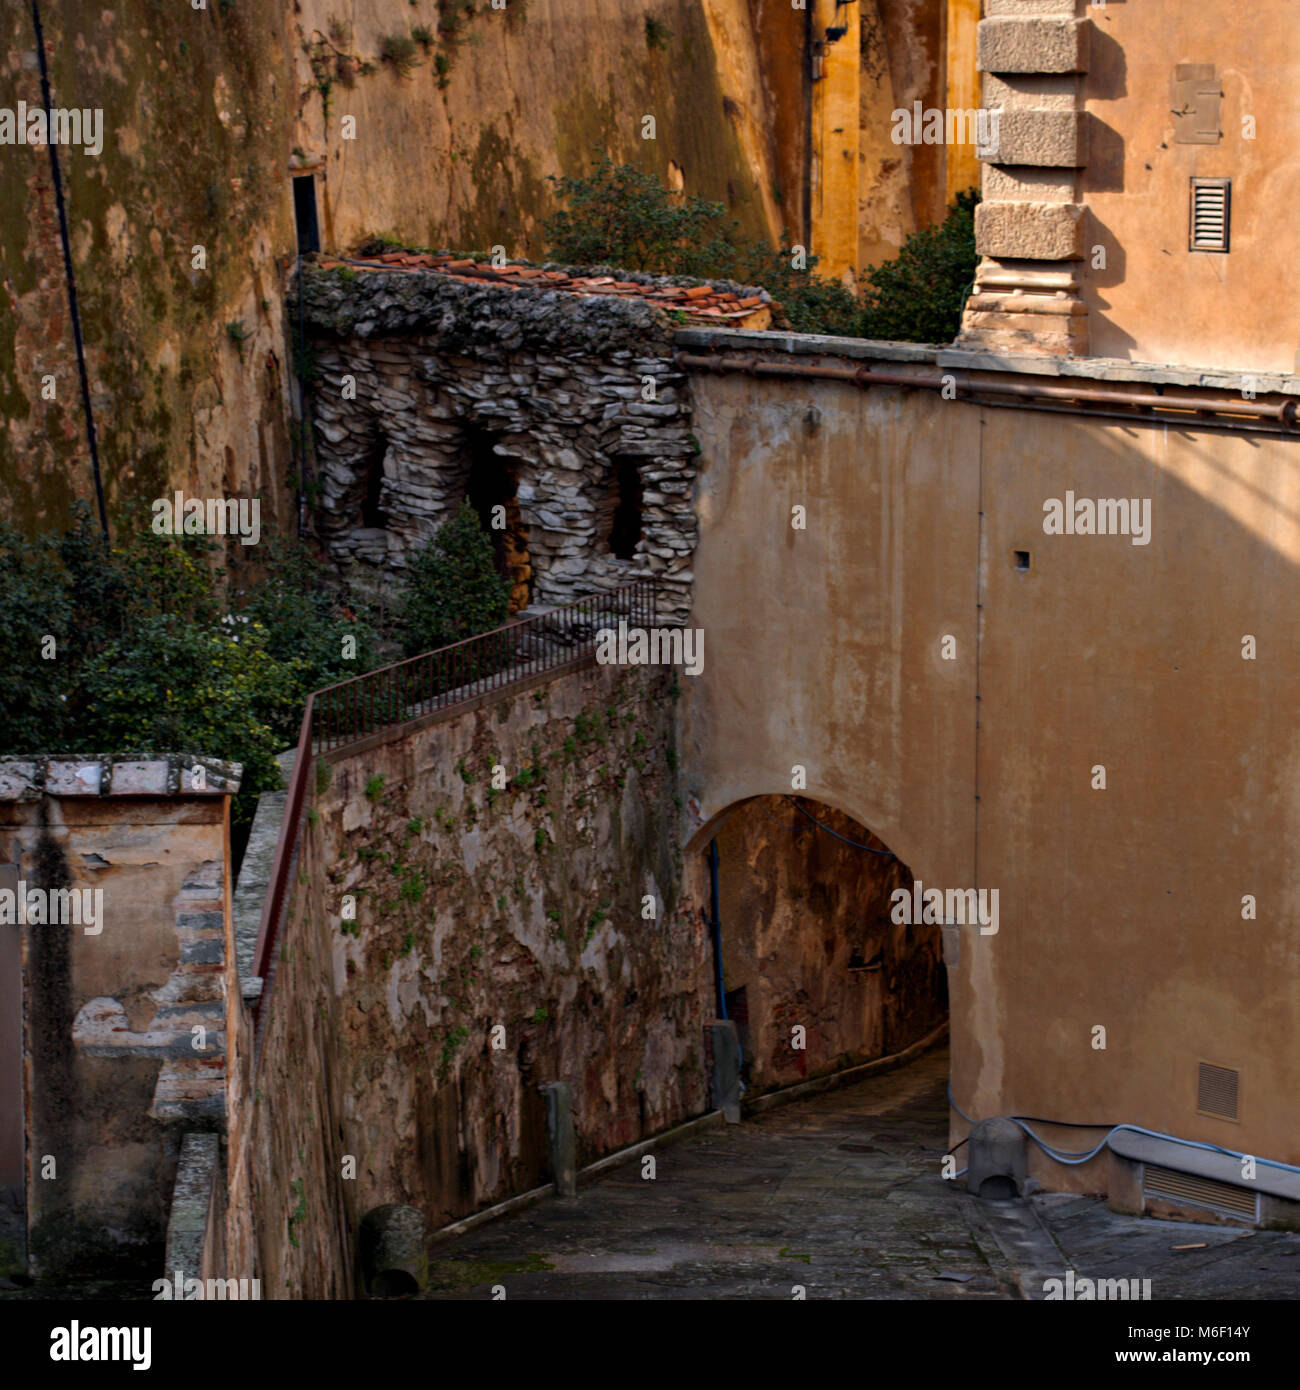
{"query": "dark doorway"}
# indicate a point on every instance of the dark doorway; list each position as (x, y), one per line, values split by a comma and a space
(491, 490)
(625, 506)
(373, 512)
(304, 213)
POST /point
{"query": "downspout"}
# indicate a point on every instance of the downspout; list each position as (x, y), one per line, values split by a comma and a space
(717, 930)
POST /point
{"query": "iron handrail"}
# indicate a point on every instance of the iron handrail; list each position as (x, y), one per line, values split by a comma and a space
(389, 697)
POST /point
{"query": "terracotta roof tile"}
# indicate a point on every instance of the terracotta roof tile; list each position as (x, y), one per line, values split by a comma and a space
(705, 303)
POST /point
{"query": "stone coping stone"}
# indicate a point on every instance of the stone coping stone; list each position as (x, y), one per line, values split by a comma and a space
(64, 774)
(187, 1224)
(1166, 1153)
(255, 869)
(976, 360)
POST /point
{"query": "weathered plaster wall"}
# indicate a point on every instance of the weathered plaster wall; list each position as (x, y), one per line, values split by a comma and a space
(1120, 908)
(196, 112)
(807, 935)
(1154, 300)
(476, 907)
(554, 385)
(112, 1073)
(541, 87)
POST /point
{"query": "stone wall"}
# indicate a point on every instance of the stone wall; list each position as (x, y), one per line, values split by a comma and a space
(554, 386)
(521, 907)
(114, 1069)
(807, 941)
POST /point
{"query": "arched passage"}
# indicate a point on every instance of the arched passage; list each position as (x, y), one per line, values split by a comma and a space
(816, 973)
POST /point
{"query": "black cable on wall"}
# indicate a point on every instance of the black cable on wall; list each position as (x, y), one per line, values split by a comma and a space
(67, 266)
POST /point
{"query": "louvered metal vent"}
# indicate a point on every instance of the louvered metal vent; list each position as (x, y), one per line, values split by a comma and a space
(1216, 1091)
(1185, 1190)
(1211, 214)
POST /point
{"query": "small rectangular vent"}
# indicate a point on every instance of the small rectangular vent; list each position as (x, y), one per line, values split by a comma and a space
(1216, 1091)
(1211, 214)
(1183, 1189)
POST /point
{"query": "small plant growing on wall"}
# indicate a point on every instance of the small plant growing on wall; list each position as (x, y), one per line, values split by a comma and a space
(399, 52)
(657, 33)
(238, 334)
(375, 786)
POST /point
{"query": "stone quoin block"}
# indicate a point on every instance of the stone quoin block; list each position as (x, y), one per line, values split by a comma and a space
(1030, 231)
(1027, 8)
(1038, 44)
(1046, 139)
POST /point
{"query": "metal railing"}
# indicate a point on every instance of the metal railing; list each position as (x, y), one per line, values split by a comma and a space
(355, 710)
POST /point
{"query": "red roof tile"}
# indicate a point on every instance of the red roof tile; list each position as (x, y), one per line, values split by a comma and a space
(705, 303)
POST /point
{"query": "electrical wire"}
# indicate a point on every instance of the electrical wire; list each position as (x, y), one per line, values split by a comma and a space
(887, 853)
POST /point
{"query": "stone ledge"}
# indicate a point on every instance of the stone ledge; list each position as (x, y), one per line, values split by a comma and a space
(187, 1223)
(982, 360)
(65, 775)
(1032, 44)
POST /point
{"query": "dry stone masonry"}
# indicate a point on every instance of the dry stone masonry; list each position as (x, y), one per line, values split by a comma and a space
(559, 396)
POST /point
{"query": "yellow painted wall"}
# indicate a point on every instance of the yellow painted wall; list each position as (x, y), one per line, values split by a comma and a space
(1154, 300)
(1119, 908)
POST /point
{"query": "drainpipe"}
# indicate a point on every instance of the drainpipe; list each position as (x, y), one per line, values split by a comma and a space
(717, 930)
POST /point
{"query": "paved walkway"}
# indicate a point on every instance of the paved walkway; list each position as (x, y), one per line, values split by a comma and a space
(839, 1194)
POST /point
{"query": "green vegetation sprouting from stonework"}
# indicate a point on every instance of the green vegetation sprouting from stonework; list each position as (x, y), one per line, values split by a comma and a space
(454, 589)
(620, 216)
(142, 649)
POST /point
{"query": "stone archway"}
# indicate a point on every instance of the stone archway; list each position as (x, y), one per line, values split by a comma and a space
(816, 973)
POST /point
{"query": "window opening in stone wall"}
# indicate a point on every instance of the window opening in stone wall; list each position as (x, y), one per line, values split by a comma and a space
(373, 512)
(492, 489)
(622, 518)
(304, 214)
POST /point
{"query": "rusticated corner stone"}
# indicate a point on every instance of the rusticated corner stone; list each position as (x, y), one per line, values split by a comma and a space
(1029, 231)
(1040, 44)
(1043, 138)
(1027, 8)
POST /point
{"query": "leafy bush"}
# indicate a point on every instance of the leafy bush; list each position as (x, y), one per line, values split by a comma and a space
(454, 590)
(150, 657)
(622, 217)
(619, 216)
(918, 296)
(399, 50)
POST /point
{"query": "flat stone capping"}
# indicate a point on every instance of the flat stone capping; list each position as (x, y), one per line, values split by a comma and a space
(847, 1077)
(1143, 1148)
(28, 779)
(585, 1175)
(188, 1223)
(255, 875)
(978, 360)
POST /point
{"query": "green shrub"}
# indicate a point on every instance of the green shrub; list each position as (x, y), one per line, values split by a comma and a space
(154, 655)
(619, 216)
(918, 296)
(398, 51)
(454, 590)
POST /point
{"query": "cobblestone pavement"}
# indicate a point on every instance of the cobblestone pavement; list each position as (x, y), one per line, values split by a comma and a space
(839, 1194)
